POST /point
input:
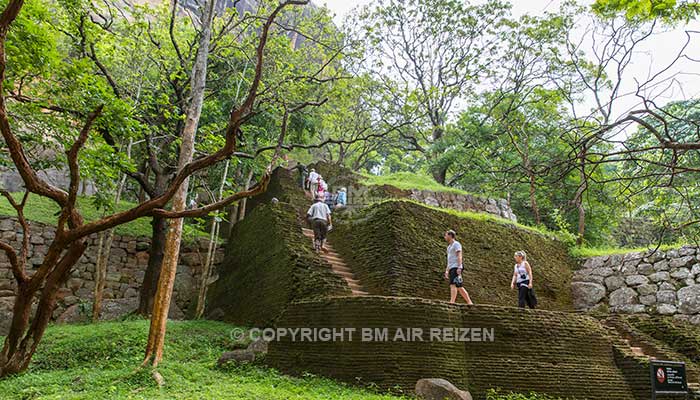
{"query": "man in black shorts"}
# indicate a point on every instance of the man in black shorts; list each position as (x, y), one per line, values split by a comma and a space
(453, 272)
(319, 216)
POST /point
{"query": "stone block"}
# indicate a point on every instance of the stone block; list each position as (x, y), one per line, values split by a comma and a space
(666, 309)
(614, 282)
(661, 266)
(666, 297)
(660, 276)
(623, 296)
(680, 273)
(648, 300)
(667, 286)
(681, 262)
(689, 300)
(649, 289)
(636, 280)
(645, 269)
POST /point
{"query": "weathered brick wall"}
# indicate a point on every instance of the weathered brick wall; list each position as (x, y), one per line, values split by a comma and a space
(269, 264)
(126, 267)
(397, 248)
(661, 282)
(555, 353)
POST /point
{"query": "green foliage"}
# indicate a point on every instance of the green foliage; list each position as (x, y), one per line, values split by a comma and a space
(98, 361)
(408, 181)
(669, 10)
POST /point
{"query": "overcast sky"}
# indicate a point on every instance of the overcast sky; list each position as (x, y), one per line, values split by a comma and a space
(657, 52)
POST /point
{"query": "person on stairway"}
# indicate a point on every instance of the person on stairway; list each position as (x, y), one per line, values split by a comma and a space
(453, 272)
(522, 278)
(342, 198)
(313, 181)
(319, 217)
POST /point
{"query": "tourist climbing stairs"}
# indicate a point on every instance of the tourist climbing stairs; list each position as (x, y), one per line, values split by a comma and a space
(339, 266)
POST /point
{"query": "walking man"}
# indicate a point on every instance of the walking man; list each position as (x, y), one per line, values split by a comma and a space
(313, 182)
(453, 272)
(319, 216)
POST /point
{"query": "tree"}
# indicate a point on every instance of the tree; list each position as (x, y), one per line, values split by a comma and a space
(428, 55)
(71, 232)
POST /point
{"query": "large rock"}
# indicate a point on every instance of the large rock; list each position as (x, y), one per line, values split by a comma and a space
(666, 309)
(661, 265)
(587, 294)
(645, 269)
(681, 261)
(614, 282)
(439, 389)
(236, 356)
(680, 273)
(636, 280)
(689, 300)
(660, 276)
(595, 262)
(646, 290)
(623, 296)
(666, 297)
(603, 271)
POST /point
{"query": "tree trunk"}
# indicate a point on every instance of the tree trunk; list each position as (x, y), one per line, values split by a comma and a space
(161, 305)
(579, 196)
(242, 204)
(211, 251)
(149, 285)
(23, 338)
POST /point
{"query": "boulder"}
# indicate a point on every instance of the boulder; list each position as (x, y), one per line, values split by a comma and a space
(666, 309)
(258, 346)
(636, 280)
(689, 300)
(603, 271)
(654, 256)
(687, 251)
(236, 356)
(587, 294)
(667, 286)
(645, 269)
(666, 297)
(680, 273)
(648, 300)
(623, 296)
(614, 282)
(681, 261)
(660, 276)
(595, 262)
(439, 389)
(646, 290)
(695, 270)
(661, 265)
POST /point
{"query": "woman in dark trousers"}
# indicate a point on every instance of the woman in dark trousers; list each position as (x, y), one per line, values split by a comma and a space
(522, 277)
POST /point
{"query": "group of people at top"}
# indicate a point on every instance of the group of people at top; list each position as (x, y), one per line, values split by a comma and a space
(522, 274)
(316, 187)
(319, 214)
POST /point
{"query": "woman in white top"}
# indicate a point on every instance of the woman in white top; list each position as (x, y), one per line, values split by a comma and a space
(522, 277)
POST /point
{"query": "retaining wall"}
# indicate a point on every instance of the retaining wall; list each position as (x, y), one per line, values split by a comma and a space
(555, 353)
(661, 282)
(126, 267)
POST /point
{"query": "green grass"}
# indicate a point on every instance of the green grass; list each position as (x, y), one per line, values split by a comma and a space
(478, 216)
(587, 252)
(98, 361)
(45, 211)
(408, 181)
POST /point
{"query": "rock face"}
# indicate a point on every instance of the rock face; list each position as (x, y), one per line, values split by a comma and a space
(126, 267)
(666, 283)
(439, 389)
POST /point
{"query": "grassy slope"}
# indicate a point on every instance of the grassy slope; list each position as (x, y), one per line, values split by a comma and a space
(98, 362)
(408, 181)
(43, 210)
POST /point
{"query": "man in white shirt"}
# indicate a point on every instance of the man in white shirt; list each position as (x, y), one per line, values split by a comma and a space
(313, 181)
(453, 272)
(319, 216)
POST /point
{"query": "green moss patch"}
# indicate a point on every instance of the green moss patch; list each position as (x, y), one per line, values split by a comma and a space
(397, 248)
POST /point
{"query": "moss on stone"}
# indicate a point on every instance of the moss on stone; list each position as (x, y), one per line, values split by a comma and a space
(397, 248)
(269, 263)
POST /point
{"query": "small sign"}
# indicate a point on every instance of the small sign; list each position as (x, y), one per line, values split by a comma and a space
(668, 378)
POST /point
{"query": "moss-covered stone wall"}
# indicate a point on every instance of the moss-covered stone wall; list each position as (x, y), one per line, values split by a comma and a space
(268, 264)
(554, 353)
(396, 248)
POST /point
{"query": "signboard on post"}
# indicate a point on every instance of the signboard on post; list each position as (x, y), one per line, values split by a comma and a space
(668, 378)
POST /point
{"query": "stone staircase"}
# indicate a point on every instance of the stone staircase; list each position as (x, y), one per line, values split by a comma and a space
(339, 266)
(642, 348)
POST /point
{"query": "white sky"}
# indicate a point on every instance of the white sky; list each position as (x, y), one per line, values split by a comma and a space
(658, 51)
